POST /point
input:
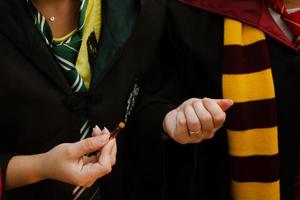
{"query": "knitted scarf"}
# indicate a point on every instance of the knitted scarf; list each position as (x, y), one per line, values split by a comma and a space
(252, 124)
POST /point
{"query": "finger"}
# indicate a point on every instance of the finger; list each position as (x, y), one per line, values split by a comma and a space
(105, 156)
(169, 122)
(205, 118)
(186, 103)
(192, 120)
(103, 166)
(225, 104)
(89, 159)
(96, 131)
(105, 131)
(89, 145)
(181, 125)
(181, 132)
(113, 152)
(218, 115)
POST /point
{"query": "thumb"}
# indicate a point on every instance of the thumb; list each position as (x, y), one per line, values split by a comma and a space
(89, 145)
(225, 104)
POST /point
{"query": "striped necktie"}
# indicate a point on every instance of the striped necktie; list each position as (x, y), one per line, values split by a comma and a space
(66, 53)
(292, 20)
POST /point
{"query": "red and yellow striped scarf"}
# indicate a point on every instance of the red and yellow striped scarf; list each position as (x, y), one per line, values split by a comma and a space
(252, 123)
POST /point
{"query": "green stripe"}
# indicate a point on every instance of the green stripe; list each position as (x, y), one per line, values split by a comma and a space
(66, 50)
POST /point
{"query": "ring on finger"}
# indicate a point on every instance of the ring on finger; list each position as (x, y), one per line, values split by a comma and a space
(195, 132)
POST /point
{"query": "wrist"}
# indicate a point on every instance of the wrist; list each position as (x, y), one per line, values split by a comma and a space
(25, 170)
(39, 167)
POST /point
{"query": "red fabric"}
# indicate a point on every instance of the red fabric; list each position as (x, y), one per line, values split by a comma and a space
(252, 12)
(0, 184)
(292, 20)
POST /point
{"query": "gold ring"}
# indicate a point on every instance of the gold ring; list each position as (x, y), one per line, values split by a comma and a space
(194, 132)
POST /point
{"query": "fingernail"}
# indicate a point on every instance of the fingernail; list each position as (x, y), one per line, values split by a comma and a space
(106, 131)
(97, 128)
(206, 99)
(231, 101)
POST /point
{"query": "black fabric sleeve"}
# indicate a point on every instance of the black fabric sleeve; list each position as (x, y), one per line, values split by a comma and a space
(160, 92)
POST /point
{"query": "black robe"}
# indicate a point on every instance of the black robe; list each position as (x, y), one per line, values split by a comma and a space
(201, 172)
(39, 111)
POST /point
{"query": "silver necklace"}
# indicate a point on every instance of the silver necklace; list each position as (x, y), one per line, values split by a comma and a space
(52, 19)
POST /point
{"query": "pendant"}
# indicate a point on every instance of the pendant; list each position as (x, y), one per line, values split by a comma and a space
(52, 19)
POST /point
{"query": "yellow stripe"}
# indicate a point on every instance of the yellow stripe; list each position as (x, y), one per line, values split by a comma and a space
(249, 87)
(237, 33)
(252, 142)
(255, 191)
(92, 23)
(244, 88)
(63, 38)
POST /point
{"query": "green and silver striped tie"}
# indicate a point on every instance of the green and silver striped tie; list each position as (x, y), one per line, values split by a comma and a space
(66, 53)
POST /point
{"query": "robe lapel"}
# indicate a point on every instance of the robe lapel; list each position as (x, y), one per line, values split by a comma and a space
(132, 45)
(30, 43)
(252, 12)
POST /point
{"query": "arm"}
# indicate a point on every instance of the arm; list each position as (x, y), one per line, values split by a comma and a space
(65, 162)
(24, 170)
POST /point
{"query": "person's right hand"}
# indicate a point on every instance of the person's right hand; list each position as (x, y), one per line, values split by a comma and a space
(196, 119)
(68, 162)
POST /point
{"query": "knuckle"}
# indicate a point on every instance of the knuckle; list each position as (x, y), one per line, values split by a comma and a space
(89, 184)
(80, 181)
(114, 162)
(220, 118)
(196, 103)
(182, 122)
(89, 144)
(194, 123)
(206, 118)
(210, 134)
(194, 128)
(68, 151)
(194, 99)
(107, 169)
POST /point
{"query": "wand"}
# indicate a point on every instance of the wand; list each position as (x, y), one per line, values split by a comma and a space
(115, 132)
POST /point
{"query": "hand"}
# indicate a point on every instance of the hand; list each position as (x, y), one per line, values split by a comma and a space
(196, 119)
(68, 162)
